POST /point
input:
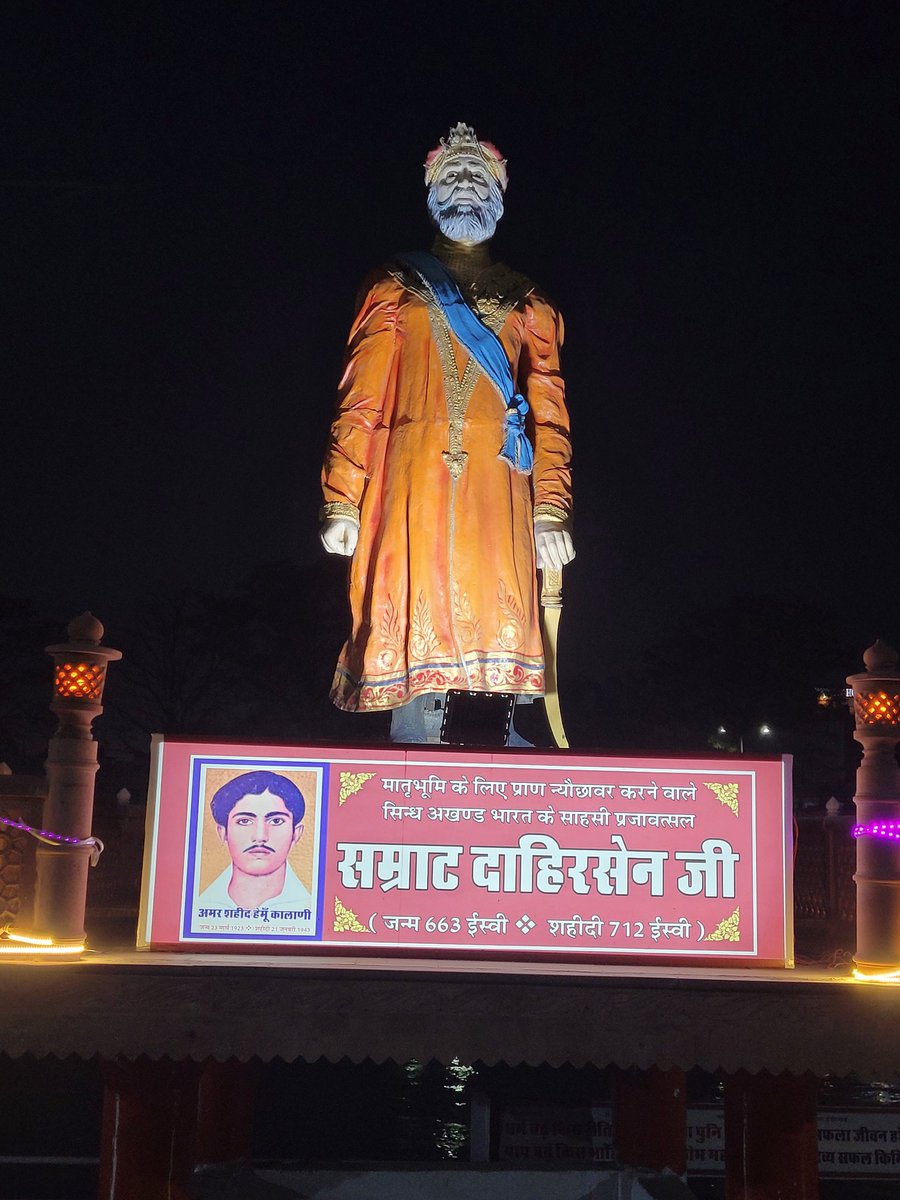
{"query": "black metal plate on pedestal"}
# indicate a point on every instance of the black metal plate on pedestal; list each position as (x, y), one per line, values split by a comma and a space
(477, 718)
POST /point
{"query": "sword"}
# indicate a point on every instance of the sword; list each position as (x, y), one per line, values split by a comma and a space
(551, 603)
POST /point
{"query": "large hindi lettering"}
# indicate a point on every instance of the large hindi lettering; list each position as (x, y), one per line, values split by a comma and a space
(361, 862)
(540, 863)
(709, 869)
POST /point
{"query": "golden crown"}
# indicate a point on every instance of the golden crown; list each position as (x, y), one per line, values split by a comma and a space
(462, 141)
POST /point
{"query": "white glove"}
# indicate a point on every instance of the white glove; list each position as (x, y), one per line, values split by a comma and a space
(339, 535)
(553, 544)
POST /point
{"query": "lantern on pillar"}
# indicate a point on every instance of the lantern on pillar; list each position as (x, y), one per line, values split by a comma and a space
(79, 671)
(876, 708)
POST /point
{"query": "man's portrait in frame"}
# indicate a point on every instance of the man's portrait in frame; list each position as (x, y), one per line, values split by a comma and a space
(257, 851)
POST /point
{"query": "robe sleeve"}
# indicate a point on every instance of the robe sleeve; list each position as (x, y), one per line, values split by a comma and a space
(371, 350)
(545, 391)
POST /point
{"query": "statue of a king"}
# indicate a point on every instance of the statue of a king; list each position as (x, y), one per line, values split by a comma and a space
(447, 473)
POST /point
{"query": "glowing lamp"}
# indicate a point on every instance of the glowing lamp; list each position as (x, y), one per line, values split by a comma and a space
(79, 680)
(79, 672)
(877, 708)
(876, 692)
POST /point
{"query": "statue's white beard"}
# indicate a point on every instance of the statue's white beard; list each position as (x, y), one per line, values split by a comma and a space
(467, 223)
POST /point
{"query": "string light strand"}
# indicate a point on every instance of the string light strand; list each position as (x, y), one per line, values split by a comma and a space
(55, 839)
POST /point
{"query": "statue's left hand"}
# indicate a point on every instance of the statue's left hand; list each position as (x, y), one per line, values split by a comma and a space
(553, 544)
(339, 535)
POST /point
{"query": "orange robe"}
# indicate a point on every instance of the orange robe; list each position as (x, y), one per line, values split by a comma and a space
(442, 585)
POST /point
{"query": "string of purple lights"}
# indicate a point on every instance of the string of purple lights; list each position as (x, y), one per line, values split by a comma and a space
(47, 835)
(887, 830)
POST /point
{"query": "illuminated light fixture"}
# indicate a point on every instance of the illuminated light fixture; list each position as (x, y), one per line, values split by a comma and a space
(889, 830)
(878, 708)
(79, 680)
(876, 976)
(79, 665)
(30, 939)
(15, 943)
(17, 950)
(53, 839)
(737, 738)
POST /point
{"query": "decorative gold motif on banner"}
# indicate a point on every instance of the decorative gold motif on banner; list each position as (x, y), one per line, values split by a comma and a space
(728, 930)
(352, 782)
(727, 794)
(346, 920)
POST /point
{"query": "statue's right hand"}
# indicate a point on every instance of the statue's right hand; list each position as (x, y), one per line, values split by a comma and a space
(339, 535)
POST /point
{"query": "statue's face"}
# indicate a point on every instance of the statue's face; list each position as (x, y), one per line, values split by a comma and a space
(463, 181)
(465, 201)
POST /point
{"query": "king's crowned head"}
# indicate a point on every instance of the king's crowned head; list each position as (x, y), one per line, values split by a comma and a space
(462, 143)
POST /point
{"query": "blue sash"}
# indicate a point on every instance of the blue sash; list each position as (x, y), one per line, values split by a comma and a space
(484, 346)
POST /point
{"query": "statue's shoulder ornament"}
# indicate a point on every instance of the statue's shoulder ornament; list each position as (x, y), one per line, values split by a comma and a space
(500, 288)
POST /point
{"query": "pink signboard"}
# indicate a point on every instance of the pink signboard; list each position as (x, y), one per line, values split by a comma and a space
(445, 852)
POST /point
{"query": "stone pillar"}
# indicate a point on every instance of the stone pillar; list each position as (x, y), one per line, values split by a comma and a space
(650, 1118)
(79, 678)
(771, 1151)
(148, 1131)
(876, 702)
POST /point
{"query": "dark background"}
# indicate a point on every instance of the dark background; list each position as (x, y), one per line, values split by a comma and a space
(192, 194)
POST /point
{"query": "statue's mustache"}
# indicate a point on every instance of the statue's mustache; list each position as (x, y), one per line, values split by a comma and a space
(472, 212)
(467, 212)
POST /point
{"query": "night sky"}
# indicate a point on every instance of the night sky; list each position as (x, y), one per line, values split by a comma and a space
(193, 193)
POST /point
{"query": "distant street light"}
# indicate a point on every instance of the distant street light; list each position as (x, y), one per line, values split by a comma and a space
(723, 733)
